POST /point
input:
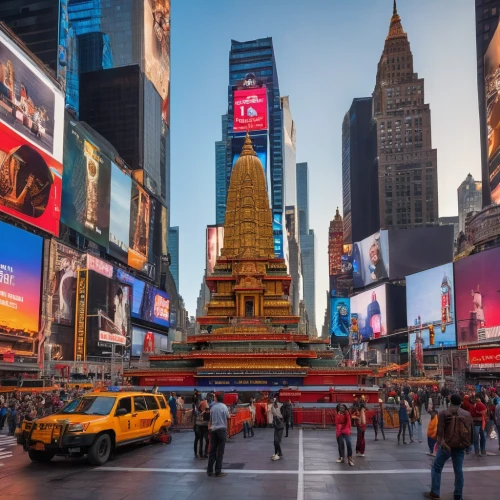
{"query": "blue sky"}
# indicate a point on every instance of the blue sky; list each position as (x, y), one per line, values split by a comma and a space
(327, 53)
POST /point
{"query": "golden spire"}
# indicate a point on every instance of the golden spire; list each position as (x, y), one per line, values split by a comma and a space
(337, 217)
(247, 147)
(395, 28)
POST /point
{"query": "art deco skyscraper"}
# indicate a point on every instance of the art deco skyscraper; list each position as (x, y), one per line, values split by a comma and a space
(407, 169)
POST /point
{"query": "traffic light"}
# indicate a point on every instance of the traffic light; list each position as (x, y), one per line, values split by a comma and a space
(431, 335)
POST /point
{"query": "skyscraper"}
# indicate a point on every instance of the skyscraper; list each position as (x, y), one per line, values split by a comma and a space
(335, 244)
(359, 172)
(470, 199)
(303, 197)
(407, 165)
(220, 174)
(173, 250)
(289, 154)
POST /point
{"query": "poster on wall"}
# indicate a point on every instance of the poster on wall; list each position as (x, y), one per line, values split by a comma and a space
(20, 286)
(370, 259)
(250, 109)
(430, 307)
(477, 300)
(340, 320)
(157, 49)
(371, 310)
(86, 185)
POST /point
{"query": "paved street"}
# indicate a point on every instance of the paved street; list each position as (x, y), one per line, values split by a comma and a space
(308, 471)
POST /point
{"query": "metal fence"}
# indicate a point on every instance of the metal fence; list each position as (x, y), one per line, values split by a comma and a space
(324, 417)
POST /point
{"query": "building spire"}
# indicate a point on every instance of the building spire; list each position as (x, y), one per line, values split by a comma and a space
(395, 28)
(247, 147)
(395, 9)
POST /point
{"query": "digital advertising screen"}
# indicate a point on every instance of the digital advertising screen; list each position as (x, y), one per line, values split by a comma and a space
(371, 310)
(119, 219)
(278, 234)
(477, 299)
(492, 89)
(340, 316)
(215, 242)
(86, 185)
(430, 302)
(65, 264)
(140, 214)
(250, 109)
(259, 144)
(145, 341)
(370, 259)
(157, 49)
(20, 285)
(154, 306)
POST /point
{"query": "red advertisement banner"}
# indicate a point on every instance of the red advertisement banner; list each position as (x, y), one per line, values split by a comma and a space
(485, 356)
(250, 110)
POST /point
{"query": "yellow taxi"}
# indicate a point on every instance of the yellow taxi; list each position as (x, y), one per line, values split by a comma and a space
(95, 424)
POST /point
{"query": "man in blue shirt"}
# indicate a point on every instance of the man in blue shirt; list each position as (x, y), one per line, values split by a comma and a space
(3, 415)
(219, 422)
(172, 403)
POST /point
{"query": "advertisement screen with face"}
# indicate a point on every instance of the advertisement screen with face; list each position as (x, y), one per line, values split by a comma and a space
(250, 109)
(139, 228)
(430, 302)
(477, 299)
(340, 317)
(371, 310)
(370, 259)
(20, 280)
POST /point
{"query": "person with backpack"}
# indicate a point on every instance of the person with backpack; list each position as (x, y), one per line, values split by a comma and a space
(404, 423)
(455, 433)
(201, 429)
(432, 433)
(279, 426)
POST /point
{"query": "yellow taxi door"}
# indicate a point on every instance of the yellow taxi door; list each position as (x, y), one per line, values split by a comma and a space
(124, 424)
(143, 417)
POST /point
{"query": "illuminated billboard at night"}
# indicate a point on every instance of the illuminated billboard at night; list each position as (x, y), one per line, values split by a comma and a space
(250, 109)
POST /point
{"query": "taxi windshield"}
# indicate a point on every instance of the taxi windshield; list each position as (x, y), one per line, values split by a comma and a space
(89, 405)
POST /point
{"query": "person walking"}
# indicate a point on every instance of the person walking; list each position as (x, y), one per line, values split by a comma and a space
(416, 421)
(286, 411)
(432, 433)
(361, 425)
(279, 426)
(455, 433)
(343, 432)
(404, 423)
(478, 412)
(497, 419)
(218, 425)
(12, 419)
(201, 429)
(378, 420)
(172, 403)
(3, 415)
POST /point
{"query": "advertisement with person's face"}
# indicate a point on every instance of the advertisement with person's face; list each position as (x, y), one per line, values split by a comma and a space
(139, 228)
(477, 299)
(370, 259)
(157, 49)
(492, 86)
(32, 105)
(86, 185)
(20, 278)
(259, 144)
(340, 317)
(430, 303)
(65, 263)
(215, 242)
(250, 109)
(152, 305)
(371, 310)
(119, 219)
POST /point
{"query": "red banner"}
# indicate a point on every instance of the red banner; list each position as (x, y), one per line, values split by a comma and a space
(484, 357)
(250, 110)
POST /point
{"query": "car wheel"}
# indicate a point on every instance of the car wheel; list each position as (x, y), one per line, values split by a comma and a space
(100, 450)
(40, 456)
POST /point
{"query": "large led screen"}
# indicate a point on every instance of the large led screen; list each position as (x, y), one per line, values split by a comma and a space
(477, 281)
(370, 259)
(215, 242)
(20, 278)
(259, 144)
(430, 303)
(371, 308)
(492, 86)
(140, 215)
(142, 342)
(250, 110)
(86, 185)
(278, 235)
(157, 49)
(340, 317)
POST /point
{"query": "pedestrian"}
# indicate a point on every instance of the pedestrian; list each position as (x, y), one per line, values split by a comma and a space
(154, 390)
(478, 412)
(3, 415)
(180, 409)
(432, 433)
(361, 426)
(252, 409)
(343, 432)
(416, 422)
(12, 419)
(172, 403)
(404, 423)
(497, 419)
(218, 425)
(279, 426)
(378, 420)
(286, 411)
(201, 429)
(454, 435)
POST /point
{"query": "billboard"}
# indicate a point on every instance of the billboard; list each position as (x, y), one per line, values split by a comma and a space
(65, 264)
(371, 310)
(340, 317)
(151, 304)
(259, 144)
(86, 185)
(430, 299)
(20, 281)
(485, 358)
(157, 49)
(477, 300)
(140, 213)
(492, 87)
(250, 109)
(119, 218)
(278, 234)
(145, 341)
(215, 242)
(370, 259)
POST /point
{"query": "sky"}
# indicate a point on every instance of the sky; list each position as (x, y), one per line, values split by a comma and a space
(326, 55)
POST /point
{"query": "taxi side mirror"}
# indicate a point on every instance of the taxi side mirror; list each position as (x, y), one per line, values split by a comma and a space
(120, 412)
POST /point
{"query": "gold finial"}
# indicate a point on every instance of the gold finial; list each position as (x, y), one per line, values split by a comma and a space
(395, 9)
(247, 147)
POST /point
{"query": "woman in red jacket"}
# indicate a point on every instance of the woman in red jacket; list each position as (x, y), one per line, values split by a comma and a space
(343, 432)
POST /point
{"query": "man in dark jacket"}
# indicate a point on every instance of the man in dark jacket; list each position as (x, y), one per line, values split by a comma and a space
(448, 447)
(286, 412)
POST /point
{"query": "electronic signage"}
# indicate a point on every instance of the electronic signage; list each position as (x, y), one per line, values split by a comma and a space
(86, 185)
(485, 358)
(63, 274)
(259, 144)
(370, 259)
(145, 341)
(371, 309)
(492, 94)
(250, 109)
(140, 214)
(62, 59)
(119, 218)
(340, 320)
(215, 242)
(477, 299)
(157, 49)
(278, 234)
(20, 286)
(430, 308)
